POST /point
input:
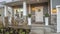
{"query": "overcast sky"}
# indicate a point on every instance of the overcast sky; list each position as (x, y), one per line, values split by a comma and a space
(4, 0)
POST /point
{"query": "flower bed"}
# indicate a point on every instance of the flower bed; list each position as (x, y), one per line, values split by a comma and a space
(10, 30)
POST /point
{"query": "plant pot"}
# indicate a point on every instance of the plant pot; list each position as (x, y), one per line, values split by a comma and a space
(29, 21)
(46, 20)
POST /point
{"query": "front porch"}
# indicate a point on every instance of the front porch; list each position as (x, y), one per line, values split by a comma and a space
(16, 11)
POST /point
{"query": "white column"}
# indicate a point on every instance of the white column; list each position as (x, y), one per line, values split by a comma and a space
(51, 5)
(5, 14)
(24, 9)
(24, 12)
(5, 9)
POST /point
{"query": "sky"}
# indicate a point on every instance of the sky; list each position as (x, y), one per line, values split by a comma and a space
(4, 0)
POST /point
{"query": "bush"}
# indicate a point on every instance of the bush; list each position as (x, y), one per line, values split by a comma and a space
(23, 32)
(29, 15)
(6, 32)
(46, 15)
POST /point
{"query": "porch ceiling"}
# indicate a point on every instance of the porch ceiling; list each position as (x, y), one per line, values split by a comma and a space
(28, 2)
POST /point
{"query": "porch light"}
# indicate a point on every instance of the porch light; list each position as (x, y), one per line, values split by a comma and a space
(33, 9)
(54, 10)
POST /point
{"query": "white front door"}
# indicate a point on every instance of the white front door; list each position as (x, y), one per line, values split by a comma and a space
(38, 14)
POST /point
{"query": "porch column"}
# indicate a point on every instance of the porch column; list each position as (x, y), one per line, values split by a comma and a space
(24, 12)
(5, 14)
(5, 9)
(24, 9)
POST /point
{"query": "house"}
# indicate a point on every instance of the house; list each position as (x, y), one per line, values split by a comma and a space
(29, 7)
(37, 8)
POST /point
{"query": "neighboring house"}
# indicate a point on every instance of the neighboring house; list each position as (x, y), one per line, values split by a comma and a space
(38, 9)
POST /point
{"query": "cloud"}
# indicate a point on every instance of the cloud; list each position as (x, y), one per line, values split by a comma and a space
(5, 0)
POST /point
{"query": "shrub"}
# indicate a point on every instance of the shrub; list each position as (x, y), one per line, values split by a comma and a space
(46, 15)
(29, 15)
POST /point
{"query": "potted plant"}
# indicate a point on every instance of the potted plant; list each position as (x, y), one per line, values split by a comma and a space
(46, 18)
(29, 19)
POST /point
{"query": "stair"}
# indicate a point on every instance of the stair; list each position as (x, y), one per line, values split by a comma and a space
(41, 29)
(51, 33)
(37, 29)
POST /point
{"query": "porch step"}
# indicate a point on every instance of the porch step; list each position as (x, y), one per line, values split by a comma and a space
(41, 29)
(37, 25)
(51, 33)
(37, 29)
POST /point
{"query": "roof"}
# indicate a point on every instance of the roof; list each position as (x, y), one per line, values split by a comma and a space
(13, 3)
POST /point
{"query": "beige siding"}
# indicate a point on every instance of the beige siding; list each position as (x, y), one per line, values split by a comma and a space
(1, 12)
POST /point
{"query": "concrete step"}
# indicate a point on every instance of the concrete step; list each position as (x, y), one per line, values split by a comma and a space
(37, 29)
(51, 33)
(38, 25)
(41, 29)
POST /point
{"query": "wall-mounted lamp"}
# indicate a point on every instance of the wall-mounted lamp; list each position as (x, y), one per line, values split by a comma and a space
(54, 10)
(33, 9)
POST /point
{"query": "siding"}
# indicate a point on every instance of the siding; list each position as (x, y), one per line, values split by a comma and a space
(1, 12)
(55, 2)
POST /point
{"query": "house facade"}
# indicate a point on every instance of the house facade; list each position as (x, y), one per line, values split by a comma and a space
(26, 7)
(18, 10)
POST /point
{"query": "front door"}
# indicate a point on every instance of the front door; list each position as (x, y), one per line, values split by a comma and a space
(38, 14)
